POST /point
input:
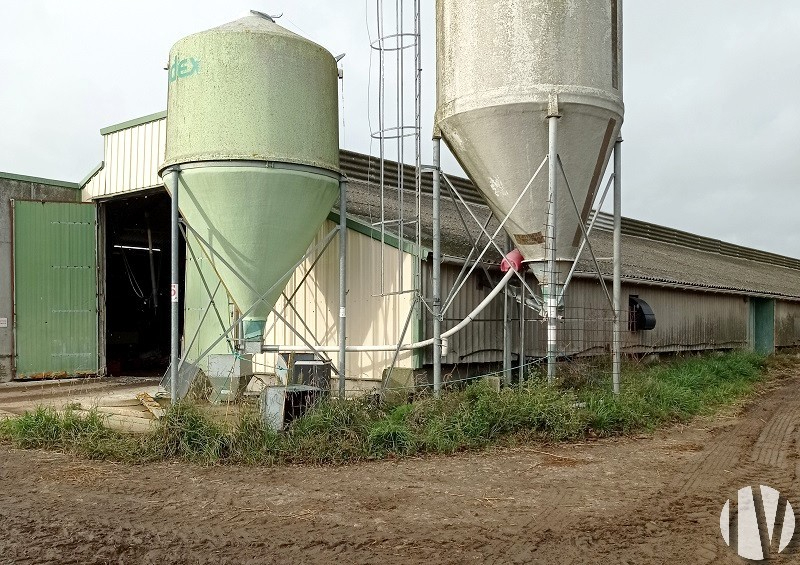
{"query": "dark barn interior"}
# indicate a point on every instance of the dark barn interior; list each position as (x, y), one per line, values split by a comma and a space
(137, 265)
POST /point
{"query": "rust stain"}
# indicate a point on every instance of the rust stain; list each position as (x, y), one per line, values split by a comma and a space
(54, 375)
(529, 238)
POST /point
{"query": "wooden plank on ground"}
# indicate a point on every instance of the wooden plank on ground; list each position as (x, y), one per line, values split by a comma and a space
(123, 423)
(150, 403)
(119, 402)
(129, 424)
(132, 411)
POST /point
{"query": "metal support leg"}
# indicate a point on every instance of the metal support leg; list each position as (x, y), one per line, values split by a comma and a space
(436, 281)
(342, 283)
(521, 334)
(507, 328)
(174, 352)
(552, 282)
(617, 290)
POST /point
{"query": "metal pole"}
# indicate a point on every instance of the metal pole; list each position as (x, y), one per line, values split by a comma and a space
(552, 284)
(174, 288)
(521, 334)
(153, 285)
(617, 291)
(507, 327)
(436, 282)
(342, 283)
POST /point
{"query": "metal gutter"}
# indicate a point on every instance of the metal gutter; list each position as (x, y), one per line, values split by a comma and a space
(662, 283)
(40, 180)
(369, 231)
(134, 122)
(92, 173)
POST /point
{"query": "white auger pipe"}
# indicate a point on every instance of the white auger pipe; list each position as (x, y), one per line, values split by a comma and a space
(406, 346)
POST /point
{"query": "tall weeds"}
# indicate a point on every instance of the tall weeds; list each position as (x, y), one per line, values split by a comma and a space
(336, 432)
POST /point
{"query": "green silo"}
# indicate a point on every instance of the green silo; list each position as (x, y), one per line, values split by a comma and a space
(252, 123)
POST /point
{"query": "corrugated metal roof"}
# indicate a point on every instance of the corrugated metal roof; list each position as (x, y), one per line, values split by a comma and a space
(668, 257)
(40, 180)
(672, 264)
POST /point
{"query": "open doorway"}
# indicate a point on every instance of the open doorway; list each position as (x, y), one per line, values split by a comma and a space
(136, 239)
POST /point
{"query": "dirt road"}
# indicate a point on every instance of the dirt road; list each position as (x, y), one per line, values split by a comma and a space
(647, 500)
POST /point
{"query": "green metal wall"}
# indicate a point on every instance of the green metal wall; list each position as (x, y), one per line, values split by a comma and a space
(55, 288)
(201, 325)
(762, 319)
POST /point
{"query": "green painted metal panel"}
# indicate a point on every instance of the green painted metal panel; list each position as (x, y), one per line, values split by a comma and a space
(55, 288)
(763, 313)
(261, 220)
(201, 325)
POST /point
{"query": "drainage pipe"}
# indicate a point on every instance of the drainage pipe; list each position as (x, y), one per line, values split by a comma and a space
(406, 346)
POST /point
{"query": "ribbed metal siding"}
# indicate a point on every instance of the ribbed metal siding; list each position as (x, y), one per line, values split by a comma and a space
(787, 324)
(132, 157)
(371, 319)
(685, 320)
(55, 283)
(482, 340)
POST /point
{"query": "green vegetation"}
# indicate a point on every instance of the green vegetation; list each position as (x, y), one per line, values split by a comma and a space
(472, 418)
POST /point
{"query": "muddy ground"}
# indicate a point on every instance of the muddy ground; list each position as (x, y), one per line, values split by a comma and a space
(643, 500)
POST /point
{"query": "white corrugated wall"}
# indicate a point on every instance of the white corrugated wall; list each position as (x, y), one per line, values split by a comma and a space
(372, 319)
(132, 157)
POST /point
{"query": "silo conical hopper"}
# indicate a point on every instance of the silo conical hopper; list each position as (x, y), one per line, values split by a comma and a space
(500, 66)
(252, 125)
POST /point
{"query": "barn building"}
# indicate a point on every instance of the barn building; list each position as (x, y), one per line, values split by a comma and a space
(84, 282)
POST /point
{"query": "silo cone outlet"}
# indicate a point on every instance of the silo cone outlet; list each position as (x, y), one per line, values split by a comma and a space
(259, 221)
(252, 334)
(541, 270)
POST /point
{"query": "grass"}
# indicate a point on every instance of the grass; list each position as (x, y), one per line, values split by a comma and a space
(475, 417)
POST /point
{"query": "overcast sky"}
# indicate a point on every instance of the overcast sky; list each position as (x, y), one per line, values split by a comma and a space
(712, 96)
